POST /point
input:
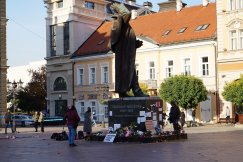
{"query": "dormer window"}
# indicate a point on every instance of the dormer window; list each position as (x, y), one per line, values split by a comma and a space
(202, 27)
(182, 30)
(89, 5)
(167, 32)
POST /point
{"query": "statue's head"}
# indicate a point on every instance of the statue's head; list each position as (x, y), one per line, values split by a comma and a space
(121, 10)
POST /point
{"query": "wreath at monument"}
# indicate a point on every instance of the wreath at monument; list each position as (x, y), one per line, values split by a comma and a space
(132, 134)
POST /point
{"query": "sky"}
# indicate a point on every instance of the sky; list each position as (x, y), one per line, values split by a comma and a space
(26, 29)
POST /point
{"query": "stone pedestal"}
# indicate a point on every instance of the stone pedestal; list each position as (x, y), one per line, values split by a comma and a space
(137, 110)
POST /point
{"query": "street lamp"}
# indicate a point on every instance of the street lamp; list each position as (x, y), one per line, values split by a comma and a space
(15, 85)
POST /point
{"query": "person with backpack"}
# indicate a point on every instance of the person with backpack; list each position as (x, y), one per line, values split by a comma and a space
(72, 119)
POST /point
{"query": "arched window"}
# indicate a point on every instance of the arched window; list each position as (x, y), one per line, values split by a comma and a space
(60, 84)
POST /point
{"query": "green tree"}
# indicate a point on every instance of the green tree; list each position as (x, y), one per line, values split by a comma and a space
(32, 97)
(233, 92)
(187, 91)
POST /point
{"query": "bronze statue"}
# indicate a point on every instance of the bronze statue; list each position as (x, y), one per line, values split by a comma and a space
(124, 44)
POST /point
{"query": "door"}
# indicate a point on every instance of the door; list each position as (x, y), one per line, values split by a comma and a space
(205, 108)
(60, 107)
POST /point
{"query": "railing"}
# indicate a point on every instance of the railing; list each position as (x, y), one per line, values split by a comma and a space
(152, 84)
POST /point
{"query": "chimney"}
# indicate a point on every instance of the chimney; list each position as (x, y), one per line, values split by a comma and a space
(205, 3)
(171, 5)
(134, 14)
(148, 5)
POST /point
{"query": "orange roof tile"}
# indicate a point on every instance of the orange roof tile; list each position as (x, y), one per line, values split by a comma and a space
(154, 25)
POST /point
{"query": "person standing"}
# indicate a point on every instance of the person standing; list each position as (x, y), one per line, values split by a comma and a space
(193, 117)
(36, 118)
(41, 121)
(72, 119)
(227, 114)
(182, 119)
(174, 115)
(87, 123)
(8, 121)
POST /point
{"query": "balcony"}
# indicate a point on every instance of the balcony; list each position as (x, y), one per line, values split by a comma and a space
(82, 11)
(152, 84)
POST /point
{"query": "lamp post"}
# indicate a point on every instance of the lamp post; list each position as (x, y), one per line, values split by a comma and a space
(15, 85)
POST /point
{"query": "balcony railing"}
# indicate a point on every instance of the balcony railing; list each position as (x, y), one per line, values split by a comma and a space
(152, 84)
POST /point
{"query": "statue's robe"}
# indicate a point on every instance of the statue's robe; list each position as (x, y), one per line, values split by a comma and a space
(123, 44)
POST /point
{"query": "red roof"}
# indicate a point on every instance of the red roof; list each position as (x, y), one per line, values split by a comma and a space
(155, 25)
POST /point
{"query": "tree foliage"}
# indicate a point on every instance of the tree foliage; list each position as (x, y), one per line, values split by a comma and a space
(187, 91)
(144, 88)
(233, 92)
(32, 97)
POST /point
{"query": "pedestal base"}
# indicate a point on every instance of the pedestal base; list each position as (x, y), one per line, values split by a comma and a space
(135, 110)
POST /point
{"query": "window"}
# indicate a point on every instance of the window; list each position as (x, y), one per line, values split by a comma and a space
(236, 4)
(92, 75)
(60, 84)
(169, 68)
(151, 71)
(81, 76)
(233, 40)
(241, 39)
(205, 66)
(53, 29)
(93, 107)
(82, 109)
(182, 30)
(202, 27)
(232, 4)
(136, 67)
(187, 69)
(59, 4)
(167, 32)
(66, 38)
(89, 5)
(106, 111)
(236, 39)
(104, 74)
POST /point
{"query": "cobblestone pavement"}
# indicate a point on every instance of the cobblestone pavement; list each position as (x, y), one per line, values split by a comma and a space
(216, 143)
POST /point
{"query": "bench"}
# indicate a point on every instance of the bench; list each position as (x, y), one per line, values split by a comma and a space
(223, 120)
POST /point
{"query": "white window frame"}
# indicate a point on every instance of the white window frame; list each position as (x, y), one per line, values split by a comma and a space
(60, 4)
(104, 74)
(169, 68)
(233, 40)
(80, 80)
(92, 76)
(204, 66)
(232, 4)
(186, 66)
(235, 4)
(93, 107)
(241, 38)
(82, 108)
(151, 70)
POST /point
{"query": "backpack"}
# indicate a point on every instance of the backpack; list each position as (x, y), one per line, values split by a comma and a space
(80, 135)
(62, 136)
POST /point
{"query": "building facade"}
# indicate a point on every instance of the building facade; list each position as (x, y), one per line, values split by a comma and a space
(3, 58)
(189, 48)
(230, 47)
(68, 25)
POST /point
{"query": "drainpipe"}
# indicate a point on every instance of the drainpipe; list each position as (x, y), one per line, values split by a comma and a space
(73, 81)
(217, 83)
